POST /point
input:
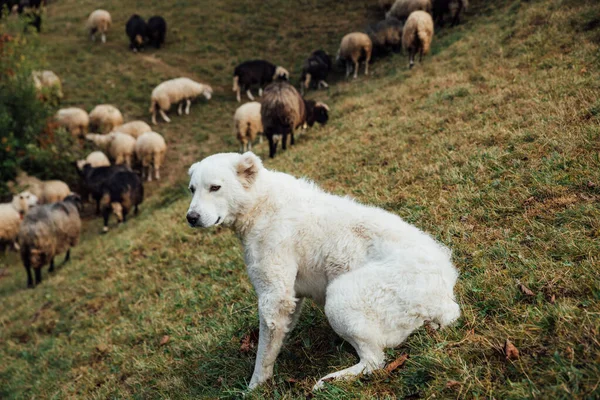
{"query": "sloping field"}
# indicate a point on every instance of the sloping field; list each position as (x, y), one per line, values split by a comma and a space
(492, 145)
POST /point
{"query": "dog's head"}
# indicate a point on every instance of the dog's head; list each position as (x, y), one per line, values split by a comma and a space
(220, 187)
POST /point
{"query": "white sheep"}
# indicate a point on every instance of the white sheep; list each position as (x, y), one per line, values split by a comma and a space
(417, 35)
(403, 8)
(134, 128)
(105, 118)
(150, 150)
(47, 231)
(98, 22)
(353, 48)
(11, 215)
(176, 91)
(47, 79)
(119, 146)
(95, 159)
(73, 119)
(46, 192)
(247, 124)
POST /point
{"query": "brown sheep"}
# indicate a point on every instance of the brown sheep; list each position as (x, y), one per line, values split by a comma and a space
(354, 47)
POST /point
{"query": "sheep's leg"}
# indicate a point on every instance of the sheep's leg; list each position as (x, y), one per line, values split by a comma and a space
(180, 108)
(51, 269)
(97, 206)
(411, 61)
(260, 92)
(238, 95)
(135, 210)
(149, 173)
(105, 215)
(356, 65)
(188, 104)
(103, 38)
(164, 115)
(367, 63)
(250, 145)
(249, 94)
(260, 139)
(67, 256)
(348, 69)
(284, 141)
(324, 84)
(38, 276)
(293, 141)
(125, 210)
(421, 55)
(272, 146)
(156, 172)
(28, 269)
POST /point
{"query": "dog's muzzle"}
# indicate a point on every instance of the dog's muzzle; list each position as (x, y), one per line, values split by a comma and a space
(193, 218)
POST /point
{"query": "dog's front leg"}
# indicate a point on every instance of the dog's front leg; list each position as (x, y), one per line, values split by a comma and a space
(276, 317)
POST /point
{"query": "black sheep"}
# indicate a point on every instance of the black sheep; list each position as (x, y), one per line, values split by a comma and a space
(315, 70)
(157, 30)
(94, 178)
(386, 36)
(120, 193)
(137, 31)
(256, 73)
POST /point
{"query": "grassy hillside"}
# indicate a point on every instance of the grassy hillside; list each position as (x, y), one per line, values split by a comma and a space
(492, 145)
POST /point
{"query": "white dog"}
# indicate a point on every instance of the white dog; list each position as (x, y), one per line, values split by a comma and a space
(378, 277)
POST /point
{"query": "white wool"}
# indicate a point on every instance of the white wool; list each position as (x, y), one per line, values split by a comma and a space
(119, 146)
(106, 117)
(134, 128)
(74, 119)
(379, 277)
(100, 20)
(95, 159)
(247, 123)
(47, 79)
(175, 90)
(150, 150)
(11, 215)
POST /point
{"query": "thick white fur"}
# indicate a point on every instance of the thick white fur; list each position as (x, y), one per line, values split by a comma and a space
(378, 277)
(12, 213)
(176, 91)
(95, 159)
(134, 128)
(74, 119)
(247, 124)
(150, 150)
(119, 146)
(99, 20)
(105, 118)
(47, 79)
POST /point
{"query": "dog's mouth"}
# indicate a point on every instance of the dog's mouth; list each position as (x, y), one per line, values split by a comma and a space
(218, 220)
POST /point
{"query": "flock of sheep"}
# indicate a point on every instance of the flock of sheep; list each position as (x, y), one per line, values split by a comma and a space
(44, 221)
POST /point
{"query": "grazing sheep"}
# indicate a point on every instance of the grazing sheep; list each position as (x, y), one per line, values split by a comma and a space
(46, 191)
(157, 30)
(417, 35)
(105, 118)
(119, 146)
(283, 110)
(315, 69)
(256, 72)
(11, 215)
(386, 36)
(98, 22)
(150, 150)
(247, 124)
(136, 29)
(94, 177)
(47, 231)
(74, 119)
(95, 159)
(354, 47)
(120, 192)
(175, 91)
(49, 80)
(134, 128)
(453, 7)
(403, 8)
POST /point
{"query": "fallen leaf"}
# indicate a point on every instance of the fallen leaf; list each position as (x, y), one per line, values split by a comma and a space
(591, 184)
(396, 363)
(583, 70)
(570, 353)
(452, 384)
(165, 339)
(553, 299)
(512, 353)
(292, 380)
(220, 380)
(249, 341)
(102, 348)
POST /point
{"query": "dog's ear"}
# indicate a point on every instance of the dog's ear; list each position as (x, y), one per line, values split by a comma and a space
(247, 169)
(192, 168)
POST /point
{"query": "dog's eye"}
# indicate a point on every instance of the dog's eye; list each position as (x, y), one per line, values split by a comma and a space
(192, 189)
(214, 188)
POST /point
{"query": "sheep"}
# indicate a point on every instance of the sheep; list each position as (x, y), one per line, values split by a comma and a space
(11, 215)
(120, 147)
(316, 68)
(176, 91)
(150, 150)
(386, 36)
(452, 7)
(93, 178)
(247, 124)
(47, 79)
(417, 35)
(46, 191)
(74, 119)
(120, 192)
(47, 231)
(136, 29)
(99, 21)
(105, 118)
(95, 159)
(256, 72)
(354, 47)
(134, 128)
(283, 110)
(403, 8)
(157, 29)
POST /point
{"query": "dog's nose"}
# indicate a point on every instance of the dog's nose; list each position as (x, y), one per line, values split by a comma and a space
(193, 218)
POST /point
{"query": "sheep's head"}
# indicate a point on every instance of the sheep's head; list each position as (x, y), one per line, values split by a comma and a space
(321, 113)
(139, 40)
(80, 164)
(281, 74)
(207, 93)
(23, 201)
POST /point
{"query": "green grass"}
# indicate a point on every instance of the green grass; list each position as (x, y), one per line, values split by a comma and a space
(492, 145)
